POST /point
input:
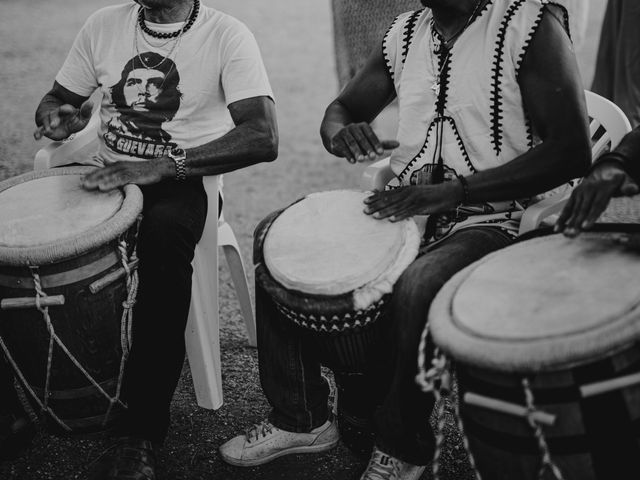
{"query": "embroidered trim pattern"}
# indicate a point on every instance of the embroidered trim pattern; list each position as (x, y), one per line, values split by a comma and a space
(409, 30)
(461, 145)
(528, 39)
(498, 58)
(385, 48)
(423, 150)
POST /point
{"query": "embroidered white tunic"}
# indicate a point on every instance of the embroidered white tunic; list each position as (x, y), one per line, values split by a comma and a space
(483, 122)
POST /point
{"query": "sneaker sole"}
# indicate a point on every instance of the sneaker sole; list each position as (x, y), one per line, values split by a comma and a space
(290, 451)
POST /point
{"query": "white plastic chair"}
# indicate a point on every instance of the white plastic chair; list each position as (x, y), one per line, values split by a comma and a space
(202, 336)
(605, 115)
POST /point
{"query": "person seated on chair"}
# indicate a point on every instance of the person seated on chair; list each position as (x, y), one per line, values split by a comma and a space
(192, 100)
(491, 114)
(614, 174)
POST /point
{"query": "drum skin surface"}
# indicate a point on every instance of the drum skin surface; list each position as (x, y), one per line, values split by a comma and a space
(564, 314)
(326, 245)
(541, 304)
(88, 323)
(60, 209)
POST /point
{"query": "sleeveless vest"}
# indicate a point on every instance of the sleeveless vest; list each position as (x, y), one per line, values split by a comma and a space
(462, 109)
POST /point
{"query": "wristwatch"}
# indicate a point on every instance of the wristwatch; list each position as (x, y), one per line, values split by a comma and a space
(179, 157)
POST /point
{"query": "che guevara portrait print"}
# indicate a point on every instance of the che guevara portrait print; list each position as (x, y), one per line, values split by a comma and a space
(146, 96)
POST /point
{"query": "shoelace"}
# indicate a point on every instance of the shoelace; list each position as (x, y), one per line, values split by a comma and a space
(258, 430)
(382, 467)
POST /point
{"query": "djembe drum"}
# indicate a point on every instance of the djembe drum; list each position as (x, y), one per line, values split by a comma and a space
(67, 288)
(544, 339)
(330, 270)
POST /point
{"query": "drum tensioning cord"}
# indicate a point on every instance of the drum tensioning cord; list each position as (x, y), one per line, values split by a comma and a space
(125, 341)
(438, 379)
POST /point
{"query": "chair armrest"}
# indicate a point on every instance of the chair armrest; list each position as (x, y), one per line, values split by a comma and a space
(71, 150)
(376, 175)
(535, 214)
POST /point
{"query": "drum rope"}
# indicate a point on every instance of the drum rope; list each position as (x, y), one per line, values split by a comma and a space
(126, 322)
(438, 380)
(465, 441)
(26, 385)
(55, 339)
(547, 462)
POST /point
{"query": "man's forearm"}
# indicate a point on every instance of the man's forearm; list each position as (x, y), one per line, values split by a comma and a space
(541, 169)
(335, 118)
(243, 146)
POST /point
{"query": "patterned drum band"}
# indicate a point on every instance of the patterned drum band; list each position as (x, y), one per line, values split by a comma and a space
(544, 338)
(67, 287)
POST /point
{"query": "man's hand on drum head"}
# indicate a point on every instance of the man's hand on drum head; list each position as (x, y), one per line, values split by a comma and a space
(60, 122)
(591, 197)
(122, 173)
(358, 142)
(405, 202)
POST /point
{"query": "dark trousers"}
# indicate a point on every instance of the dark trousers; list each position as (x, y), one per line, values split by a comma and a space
(173, 220)
(290, 365)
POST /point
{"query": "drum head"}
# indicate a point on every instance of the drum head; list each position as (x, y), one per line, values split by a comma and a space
(542, 303)
(50, 209)
(325, 244)
(47, 216)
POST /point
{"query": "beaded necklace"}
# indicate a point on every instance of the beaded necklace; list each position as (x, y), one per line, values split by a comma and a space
(188, 23)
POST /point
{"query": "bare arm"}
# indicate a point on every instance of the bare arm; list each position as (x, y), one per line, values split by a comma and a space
(61, 113)
(553, 95)
(554, 98)
(253, 140)
(345, 128)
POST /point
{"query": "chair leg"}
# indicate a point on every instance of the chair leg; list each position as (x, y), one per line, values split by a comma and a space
(202, 337)
(227, 240)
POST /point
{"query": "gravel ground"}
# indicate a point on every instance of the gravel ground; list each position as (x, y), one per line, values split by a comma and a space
(295, 38)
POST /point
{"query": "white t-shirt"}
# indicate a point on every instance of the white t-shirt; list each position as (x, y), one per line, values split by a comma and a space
(157, 94)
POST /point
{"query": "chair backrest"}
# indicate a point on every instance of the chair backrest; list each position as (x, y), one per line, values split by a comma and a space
(608, 124)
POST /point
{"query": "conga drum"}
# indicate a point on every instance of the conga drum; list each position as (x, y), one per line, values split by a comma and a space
(67, 288)
(544, 339)
(330, 270)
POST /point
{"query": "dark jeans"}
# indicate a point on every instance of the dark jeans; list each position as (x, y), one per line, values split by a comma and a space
(173, 221)
(290, 364)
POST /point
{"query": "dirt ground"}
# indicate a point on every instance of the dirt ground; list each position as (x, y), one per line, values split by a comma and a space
(296, 41)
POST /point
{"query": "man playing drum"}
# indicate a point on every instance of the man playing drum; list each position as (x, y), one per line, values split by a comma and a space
(491, 114)
(184, 94)
(614, 174)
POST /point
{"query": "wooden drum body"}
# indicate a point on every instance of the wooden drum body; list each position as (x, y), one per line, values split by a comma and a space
(64, 246)
(330, 270)
(544, 335)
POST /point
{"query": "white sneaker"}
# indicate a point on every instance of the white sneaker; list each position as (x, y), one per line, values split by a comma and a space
(265, 442)
(385, 467)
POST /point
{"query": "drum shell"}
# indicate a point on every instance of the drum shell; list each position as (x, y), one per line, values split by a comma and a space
(593, 438)
(88, 324)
